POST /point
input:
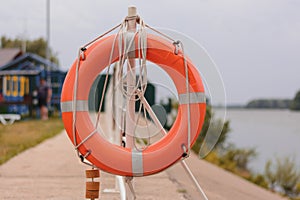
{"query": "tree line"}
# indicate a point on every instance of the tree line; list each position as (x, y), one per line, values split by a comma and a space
(293, 104)
(36, 46)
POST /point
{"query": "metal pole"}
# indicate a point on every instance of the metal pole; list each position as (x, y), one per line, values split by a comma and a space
(130, 78)
(131, 81)
(48, 41)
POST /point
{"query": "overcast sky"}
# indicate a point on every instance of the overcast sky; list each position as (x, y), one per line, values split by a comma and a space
(255, 43)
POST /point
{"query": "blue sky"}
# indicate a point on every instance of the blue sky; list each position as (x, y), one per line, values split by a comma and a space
(255, 44)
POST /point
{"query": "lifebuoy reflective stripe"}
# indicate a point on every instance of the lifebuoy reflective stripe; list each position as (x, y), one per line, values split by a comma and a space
(124, 161)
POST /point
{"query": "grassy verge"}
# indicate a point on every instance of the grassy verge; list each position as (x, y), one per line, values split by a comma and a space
(25, 134)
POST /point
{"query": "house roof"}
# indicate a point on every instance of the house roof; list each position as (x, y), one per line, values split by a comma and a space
(9, 54)
(32, 58)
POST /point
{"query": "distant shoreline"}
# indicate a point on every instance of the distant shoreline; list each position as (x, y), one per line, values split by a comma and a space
(265, 104)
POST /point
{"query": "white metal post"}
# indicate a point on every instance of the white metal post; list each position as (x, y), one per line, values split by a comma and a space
(130, 78)
(131, 81)
(48, 41)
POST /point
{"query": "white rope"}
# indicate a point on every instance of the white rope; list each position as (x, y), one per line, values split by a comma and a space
(75, 88)
(193, 178)
(140, 87)
(103, 93)
(101, 36)
(75, 100)
(142, 105)
(142, 81)
(106, 81)
(187, 84)
(160, 33)
(124, 48)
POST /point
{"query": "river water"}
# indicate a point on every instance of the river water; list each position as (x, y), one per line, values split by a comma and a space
(273, 133)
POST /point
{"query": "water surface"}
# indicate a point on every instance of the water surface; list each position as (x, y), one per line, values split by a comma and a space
(274, 133)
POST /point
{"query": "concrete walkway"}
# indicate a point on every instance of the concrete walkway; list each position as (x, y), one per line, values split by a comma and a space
(217, 183)
(51, 170)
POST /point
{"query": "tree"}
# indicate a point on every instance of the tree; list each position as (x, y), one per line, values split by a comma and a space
(295, 105)
(283, 175)
(269, 103)
(215, 125)
(237, 159)
(37, 46)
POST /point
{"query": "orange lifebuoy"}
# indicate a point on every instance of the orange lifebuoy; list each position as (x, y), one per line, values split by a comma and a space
(125, 161)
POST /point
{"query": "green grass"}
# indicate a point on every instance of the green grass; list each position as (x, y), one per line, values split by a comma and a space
(22, 135)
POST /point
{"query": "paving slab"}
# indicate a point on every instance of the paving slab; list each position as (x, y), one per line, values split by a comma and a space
(217, 183)
(51, 170)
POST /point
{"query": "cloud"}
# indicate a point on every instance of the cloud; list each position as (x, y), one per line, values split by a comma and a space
(245, 38)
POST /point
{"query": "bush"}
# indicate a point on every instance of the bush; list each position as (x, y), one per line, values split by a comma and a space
(295, 105)
(214, 133)
(284, 176)
(240, 156)
(260, 180)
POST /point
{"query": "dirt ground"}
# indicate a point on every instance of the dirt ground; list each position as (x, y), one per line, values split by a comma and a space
(51, 170)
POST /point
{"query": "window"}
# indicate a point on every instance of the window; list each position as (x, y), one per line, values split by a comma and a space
(22, 86)
(15, 86)
(6, 86)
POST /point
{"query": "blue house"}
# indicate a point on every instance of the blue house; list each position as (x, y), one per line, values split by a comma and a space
(20, 74)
